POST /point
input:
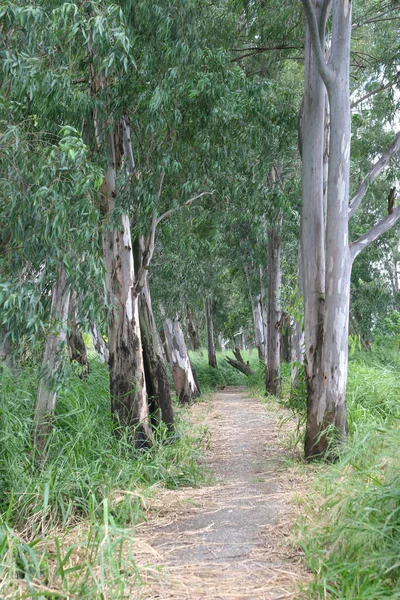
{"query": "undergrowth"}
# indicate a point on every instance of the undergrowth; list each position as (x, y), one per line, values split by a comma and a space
(92, 483)
(350, 532)
(210, 378)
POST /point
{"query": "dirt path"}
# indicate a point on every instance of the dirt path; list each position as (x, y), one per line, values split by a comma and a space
(229, 540)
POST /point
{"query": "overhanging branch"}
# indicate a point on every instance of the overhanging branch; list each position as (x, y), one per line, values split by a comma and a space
(150, 241)
(374, 233)
(373, 173)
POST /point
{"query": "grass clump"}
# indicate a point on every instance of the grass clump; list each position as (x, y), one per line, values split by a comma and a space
(91, 483)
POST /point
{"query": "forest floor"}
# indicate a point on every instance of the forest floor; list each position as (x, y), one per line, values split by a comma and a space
(230, 539)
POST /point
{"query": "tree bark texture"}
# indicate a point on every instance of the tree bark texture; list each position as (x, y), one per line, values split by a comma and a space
(212, 359)
(98, 342)
(191, 328)
(52, 361)
(285, 330)
(273, 372)
(158, 388)
(184, 379)
(76, 344)
(326, 262)
(257, 311)
(313, 234)
(127, 380)
(297, 334)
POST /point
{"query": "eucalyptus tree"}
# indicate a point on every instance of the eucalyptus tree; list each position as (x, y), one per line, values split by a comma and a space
(327, 253)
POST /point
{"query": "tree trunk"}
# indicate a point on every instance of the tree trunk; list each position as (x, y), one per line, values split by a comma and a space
(313, 233)
(98, 342)
(257, 310)
(285, 331)
(191, 328)
(127, 381)
(331, 262)
(52, 361)
(326, 326)
(297, 334)
(212, 359)
(157, 383)
(264, 310)
(273, 372)
(184, 380)
(76, 344)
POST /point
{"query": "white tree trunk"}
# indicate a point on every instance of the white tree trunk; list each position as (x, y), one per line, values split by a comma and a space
(257, 311)
(52, 362)
(326, 333)
(184, 380)
(313, 228)
(98, 342)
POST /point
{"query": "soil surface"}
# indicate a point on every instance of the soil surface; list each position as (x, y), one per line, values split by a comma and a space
(230, 540)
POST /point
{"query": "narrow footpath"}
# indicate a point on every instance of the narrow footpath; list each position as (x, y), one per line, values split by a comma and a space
(228, 541)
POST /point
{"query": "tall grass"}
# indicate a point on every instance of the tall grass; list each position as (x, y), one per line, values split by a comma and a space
(225, 375)
(91, 480)
(351, 536)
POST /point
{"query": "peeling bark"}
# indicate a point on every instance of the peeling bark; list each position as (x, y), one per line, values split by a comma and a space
(184, 380)
(191, 328)
(127, 381)
(158, 388)
(52, 361)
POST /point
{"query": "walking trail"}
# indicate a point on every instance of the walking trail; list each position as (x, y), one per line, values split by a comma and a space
(229, 540)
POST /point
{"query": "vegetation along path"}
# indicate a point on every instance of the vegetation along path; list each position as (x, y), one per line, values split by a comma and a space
(228, 540)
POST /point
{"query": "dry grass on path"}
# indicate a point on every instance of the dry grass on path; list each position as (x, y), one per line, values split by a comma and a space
(230, 540)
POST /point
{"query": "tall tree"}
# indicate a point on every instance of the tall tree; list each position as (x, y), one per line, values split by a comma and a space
(327, 253)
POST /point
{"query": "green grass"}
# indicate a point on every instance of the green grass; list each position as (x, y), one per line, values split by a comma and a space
(210, 378)
(351, 533)
(90, 478)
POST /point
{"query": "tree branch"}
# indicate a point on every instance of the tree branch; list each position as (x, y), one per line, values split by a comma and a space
(373, 174)
(323, 18)
(148, 250)
(314, 28)
(381, 88)
(374, 233)
(169, 212)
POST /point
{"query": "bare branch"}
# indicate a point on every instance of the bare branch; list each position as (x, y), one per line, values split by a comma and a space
(374, 172)
(381, 88)
(374, 233)
(169, 212)
(149, 245)
(314, 28)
